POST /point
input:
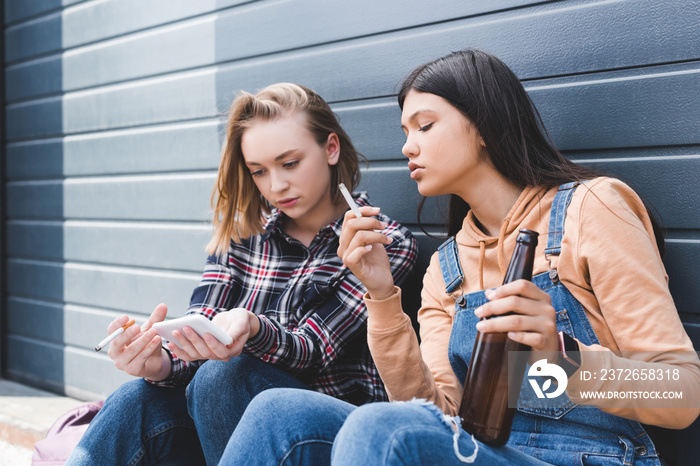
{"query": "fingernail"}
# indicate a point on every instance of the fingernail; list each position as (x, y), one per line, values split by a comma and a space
(490, 294)
(375, 209)
(368, 247)
(477, 311)
(384, 224)
(480, 325)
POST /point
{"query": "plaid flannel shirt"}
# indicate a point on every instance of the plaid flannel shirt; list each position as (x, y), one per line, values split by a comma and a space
(312, 316)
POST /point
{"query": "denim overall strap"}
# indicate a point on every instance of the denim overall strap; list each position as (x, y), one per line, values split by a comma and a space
(449, 265)
(558, 216)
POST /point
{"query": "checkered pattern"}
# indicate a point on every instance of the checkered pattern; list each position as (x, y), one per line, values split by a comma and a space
(312, 316)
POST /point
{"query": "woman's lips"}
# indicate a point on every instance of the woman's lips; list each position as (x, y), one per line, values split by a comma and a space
(416, 170)
(288, 202)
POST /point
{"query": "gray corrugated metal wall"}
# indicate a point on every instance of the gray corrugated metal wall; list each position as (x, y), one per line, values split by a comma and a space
(113, 131)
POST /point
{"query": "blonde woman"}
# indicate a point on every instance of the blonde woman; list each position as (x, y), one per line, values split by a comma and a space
(273, 282)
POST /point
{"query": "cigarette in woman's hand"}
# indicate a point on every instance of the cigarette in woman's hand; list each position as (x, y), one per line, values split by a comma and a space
(351, 202)
(114, 335)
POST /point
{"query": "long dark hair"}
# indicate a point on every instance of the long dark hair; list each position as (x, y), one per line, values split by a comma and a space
(489, 94)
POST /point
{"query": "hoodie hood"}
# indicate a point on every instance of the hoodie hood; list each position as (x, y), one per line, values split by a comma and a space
(493, 253)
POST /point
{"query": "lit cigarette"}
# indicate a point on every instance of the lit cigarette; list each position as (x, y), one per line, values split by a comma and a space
(351, 202)
(114, 335)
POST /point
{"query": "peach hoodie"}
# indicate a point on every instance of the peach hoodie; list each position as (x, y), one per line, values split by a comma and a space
(609, 262)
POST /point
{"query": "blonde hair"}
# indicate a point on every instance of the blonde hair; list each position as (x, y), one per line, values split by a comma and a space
(238, 204)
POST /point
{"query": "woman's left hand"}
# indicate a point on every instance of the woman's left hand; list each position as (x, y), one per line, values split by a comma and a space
(533, 321)
(239, 323)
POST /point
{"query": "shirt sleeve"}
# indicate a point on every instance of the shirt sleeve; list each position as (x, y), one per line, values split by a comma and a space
(212, 295)
(617, 252)
(339, 317)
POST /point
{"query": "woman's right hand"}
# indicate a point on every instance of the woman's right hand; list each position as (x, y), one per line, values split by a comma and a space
(138, 351)
(362, 251)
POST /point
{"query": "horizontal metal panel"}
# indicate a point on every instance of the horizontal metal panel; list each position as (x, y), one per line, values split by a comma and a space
(42, 118)
(637, 107)
(37, 37)
(169, 99)
(374, 127)
(176, 47)
(668, 185)
(35, 359)
(170, 148)
(94, 21)
(117, 288)
(62, 368)
(18, 10)
(37, 78)
(152, 245)
(35, 200)
(693, 331)
(166, 197)
(35, 159)
(630, 108)
(204, 41)
(682, 265)
(99, 20)
(372, 66)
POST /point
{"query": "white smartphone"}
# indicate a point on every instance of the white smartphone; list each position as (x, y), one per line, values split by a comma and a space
(199, 324)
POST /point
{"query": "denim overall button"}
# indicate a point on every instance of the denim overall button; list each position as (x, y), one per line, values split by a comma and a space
(459, 301)
(553, 275)
(641, 451)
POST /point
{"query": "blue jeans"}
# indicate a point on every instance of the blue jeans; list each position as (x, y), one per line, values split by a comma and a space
(140, 424)
(220, 393)
(294, 427)
(143, 424)
(414, 433)
(287, 427)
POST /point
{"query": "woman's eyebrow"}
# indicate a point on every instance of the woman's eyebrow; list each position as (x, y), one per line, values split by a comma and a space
(278, 158)
(415, 115)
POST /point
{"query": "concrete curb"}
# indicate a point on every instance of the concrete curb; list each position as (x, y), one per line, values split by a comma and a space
(26, 413)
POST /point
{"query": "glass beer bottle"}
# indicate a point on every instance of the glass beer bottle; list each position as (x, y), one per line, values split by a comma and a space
(484, 408)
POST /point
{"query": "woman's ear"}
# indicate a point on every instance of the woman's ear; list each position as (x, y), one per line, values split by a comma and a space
(333, 149)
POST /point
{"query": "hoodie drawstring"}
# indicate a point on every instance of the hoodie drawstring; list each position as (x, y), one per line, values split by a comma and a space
(501, 260)
(482, 255)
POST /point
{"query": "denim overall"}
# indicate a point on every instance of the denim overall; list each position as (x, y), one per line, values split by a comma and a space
(554, 430)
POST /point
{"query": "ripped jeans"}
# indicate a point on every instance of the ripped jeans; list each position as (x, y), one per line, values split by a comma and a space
(414, 432)
(300, 427)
